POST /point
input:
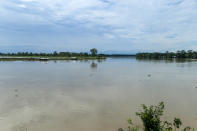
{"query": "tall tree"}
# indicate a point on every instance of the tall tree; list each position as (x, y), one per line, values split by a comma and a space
(93, 51)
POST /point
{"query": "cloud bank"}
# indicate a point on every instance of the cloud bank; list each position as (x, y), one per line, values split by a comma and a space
(105, 24)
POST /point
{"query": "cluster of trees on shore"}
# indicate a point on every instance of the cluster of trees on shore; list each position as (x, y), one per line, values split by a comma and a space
(168, 55)
(93, 52)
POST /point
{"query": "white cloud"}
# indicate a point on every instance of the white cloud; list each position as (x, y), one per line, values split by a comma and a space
(22, 6)
(27, 0)
(149, 21)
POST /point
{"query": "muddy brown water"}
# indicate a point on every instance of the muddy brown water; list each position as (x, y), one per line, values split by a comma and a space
(93, 95)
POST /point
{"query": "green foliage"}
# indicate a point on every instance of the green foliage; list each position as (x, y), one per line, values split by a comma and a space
(169, 55)
(150, 117)
(55, 53)
(131, 127)
(177, 122)
(93, 51)
(167, 126)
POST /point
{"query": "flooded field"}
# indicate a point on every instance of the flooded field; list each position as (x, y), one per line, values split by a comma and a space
(93, 95)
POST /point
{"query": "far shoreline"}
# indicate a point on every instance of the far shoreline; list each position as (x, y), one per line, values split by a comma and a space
(41, 58)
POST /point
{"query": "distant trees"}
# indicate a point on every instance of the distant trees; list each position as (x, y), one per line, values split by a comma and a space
(93, 52)
(168, 55)
(55, 53)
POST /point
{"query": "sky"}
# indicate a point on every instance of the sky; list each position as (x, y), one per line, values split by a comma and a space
(108, 25)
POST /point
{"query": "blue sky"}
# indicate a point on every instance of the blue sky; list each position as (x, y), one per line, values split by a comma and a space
(109, 25)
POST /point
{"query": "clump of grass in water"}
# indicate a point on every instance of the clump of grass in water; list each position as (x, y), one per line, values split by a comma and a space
(150, 117)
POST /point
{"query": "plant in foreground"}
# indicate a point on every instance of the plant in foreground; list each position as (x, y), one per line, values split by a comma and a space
(177, 123)
(150, 117)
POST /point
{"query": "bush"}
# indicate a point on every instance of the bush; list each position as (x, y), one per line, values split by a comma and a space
(150, 117)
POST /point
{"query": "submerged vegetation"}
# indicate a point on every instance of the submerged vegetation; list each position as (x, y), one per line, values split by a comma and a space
(169, 55)
(151, 119)
(52, 56)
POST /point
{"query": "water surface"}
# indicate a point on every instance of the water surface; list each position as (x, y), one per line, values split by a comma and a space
(93, 95)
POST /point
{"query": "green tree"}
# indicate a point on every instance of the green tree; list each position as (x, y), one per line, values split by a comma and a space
(55, 53)
(189, 53)
(93, 51)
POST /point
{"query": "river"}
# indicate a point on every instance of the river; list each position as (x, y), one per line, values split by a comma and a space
(93, 95)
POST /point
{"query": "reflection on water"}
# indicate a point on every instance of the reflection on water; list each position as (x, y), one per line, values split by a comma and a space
(93, 65)
(93, 95)
(178, 62)
(168, 60)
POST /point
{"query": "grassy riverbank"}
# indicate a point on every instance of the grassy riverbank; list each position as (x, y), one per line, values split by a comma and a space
(47, 58)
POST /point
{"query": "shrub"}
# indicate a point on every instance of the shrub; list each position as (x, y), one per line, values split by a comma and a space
(150, 117)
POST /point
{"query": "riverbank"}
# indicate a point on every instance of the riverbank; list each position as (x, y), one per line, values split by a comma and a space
(41, 58)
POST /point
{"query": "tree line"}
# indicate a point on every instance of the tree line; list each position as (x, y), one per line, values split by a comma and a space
(168, 55)
(93, 52)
